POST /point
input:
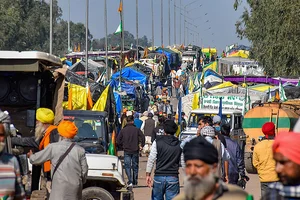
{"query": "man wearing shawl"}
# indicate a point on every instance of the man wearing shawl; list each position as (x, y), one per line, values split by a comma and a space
(286, 152)
(71, 174)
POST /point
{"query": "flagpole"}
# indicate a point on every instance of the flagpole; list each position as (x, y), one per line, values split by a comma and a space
(174, 22)
(169, 22)
(69, 40)
(51, 25)
(106, 42)
(162, 22)
(122, 40)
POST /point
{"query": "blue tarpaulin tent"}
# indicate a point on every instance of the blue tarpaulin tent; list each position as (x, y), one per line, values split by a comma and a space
(131, 74)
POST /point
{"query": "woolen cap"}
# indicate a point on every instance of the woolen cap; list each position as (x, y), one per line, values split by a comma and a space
(200, 149)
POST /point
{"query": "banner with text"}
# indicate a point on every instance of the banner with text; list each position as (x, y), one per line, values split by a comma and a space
(228, 102)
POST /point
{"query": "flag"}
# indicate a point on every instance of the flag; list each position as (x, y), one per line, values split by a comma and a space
(282, 92)
(119, 29)
(79, 98)
(247, 101)
(179, 113)
(101, 102)
(220, 108)
(112, 150)
(120, 7)
(195, 102)
(298, 84)
(269, 96)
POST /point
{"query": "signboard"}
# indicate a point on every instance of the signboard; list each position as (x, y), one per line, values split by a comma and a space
(228, 102)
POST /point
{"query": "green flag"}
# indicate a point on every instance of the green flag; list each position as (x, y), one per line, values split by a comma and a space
(119, 29)
(298, 84)
(247, 101)
(269, 96)
(282, 92)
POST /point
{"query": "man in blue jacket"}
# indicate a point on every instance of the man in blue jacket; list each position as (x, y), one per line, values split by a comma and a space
(236, 161)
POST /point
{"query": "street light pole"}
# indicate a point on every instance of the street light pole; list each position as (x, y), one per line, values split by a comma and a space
(69, 40)
(175, 22)
(184, 14)
(169, 23)
(180, 24)
(137, 30)
(152, 25)
(162, 22)
(106, 42)
(86, 37)
(51, 25)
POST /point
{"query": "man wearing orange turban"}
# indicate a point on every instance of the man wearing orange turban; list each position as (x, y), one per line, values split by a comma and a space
(67, 129)
(286, 152)
(67, 181)
(263, 158)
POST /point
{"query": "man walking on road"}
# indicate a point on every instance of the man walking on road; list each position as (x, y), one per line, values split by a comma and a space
(148, 127)
(69, 176)
(132, 140)
(201, 181)
(236, 161)
(263, 158)
(166, 152)
(286, 152)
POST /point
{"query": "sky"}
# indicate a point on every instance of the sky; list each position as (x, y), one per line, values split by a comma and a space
(212, 20)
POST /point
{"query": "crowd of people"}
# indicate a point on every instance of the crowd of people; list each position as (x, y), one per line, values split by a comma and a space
(213, 163)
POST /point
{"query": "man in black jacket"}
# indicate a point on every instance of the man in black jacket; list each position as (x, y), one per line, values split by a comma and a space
(132, 140)
(166, 152)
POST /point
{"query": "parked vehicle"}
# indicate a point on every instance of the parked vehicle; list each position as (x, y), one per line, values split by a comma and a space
(282, 115)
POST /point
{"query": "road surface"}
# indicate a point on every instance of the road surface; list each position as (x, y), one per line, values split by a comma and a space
(142, 192)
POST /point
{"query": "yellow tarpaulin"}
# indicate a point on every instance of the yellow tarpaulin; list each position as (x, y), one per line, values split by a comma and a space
(79, 98)
(209, 50)
(261, 88)
(240, 53)
(222, 85)
(101, 102)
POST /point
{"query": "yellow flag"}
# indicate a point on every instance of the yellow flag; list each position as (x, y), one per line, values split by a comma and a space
(77, 99)
(195, 103)
(101, 102)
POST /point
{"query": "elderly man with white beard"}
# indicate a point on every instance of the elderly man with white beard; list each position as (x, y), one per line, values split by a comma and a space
(201, 181)
(45, 133)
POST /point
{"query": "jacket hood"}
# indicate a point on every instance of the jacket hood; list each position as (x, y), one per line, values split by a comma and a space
(170, 140)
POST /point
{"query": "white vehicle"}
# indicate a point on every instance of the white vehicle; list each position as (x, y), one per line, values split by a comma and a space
(105, 179)
(231, 117)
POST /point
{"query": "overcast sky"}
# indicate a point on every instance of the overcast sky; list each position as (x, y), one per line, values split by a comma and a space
(214, 20)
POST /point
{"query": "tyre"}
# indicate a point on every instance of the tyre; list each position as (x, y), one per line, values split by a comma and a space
(248, 163)
(96, 193)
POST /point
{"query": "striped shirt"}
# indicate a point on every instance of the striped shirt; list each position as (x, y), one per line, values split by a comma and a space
(10, 179)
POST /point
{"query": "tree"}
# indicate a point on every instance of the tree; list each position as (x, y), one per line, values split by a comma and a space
(272, 26)
(25, 26)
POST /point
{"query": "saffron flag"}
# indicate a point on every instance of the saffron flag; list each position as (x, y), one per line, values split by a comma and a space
(120, 7)
(101, 102)
(112, 150)
(79, 98)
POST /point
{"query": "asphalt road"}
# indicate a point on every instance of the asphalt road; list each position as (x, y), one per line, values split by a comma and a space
(142, 192)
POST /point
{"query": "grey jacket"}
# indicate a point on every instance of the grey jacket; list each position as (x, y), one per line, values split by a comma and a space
(70, 175)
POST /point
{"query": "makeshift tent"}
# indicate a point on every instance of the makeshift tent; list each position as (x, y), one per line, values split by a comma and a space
(239, 53)
(131, 74)
(261, 87)
(140, 67)
(173, 57)
(211, 76)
